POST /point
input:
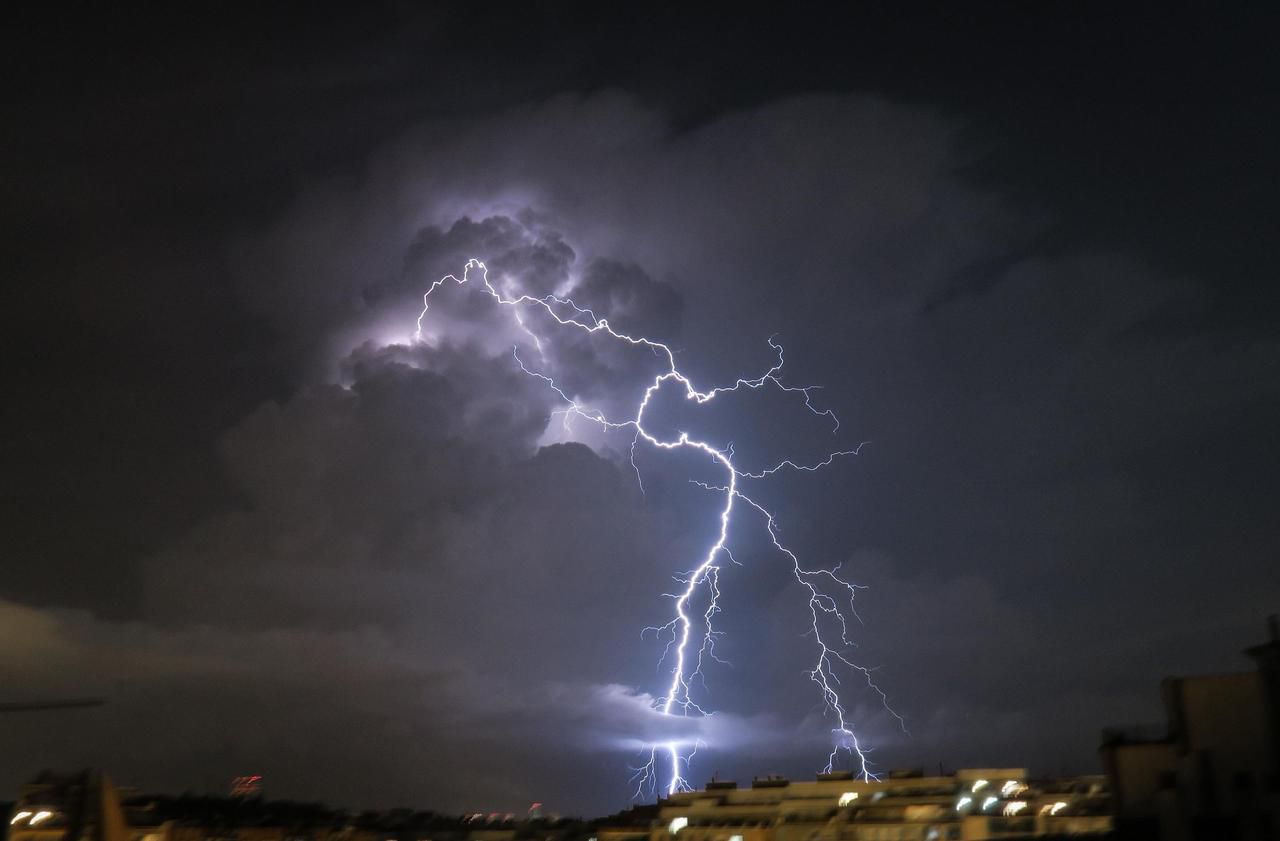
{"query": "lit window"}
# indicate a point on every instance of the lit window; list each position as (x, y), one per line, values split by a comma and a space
(735, 838)
(677, 824)
(845, 799)
(979, 785)
(21, 816)
(1013, 807)
(1011, 788)
(39, 817)
(989, 802)
(962, 802)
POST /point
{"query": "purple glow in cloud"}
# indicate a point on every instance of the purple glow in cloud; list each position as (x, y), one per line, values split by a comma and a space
(688, 650)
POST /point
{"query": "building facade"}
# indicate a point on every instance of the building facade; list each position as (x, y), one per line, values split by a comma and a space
(1212, 771)
(976, 803)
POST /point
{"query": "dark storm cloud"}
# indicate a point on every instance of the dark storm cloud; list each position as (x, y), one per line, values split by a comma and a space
(396, 726)
(337, 480)
(635, 303)
(411, 582)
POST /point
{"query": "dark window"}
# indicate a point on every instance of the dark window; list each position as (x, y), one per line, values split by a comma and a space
(1168, 779)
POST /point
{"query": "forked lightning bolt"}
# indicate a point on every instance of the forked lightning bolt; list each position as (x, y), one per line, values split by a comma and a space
(829, 613)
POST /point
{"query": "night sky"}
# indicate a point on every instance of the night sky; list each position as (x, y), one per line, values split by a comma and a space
(1029, 251)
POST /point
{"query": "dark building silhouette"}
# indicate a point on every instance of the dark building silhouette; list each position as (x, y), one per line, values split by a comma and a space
(1212, 772)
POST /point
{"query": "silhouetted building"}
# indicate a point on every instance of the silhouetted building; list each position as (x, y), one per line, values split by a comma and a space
(86, 807)
(1211, 772)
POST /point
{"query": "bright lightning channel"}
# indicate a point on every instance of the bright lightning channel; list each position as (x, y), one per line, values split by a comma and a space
(687, 663)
